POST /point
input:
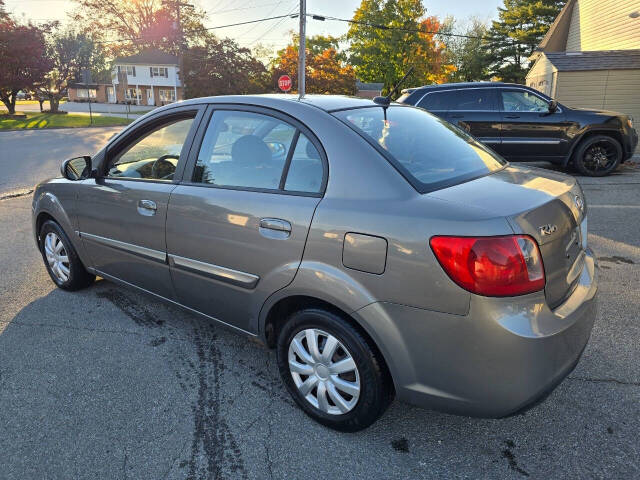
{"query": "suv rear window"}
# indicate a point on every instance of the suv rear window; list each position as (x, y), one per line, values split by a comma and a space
(429, 152)
(471, 99)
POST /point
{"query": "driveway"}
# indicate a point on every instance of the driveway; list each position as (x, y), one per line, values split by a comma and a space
(108, 383)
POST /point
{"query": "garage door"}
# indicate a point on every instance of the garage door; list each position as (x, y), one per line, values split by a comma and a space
(615, 90)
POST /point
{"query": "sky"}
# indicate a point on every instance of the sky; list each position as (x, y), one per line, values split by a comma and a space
(273, 33)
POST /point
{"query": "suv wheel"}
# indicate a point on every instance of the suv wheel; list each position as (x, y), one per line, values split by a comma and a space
(331, 371)
(61, 259)
(598, 156)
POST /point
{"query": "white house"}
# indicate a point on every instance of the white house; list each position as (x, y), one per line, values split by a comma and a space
(148, 78)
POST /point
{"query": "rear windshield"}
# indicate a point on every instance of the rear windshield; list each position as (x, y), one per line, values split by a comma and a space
(428, 151)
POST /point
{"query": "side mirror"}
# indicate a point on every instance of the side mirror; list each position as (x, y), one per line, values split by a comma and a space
(553, 106)
(77, 168)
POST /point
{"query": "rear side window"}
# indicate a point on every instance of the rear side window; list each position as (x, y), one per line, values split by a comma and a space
(256, 151)
(429, 152)
(472, 99)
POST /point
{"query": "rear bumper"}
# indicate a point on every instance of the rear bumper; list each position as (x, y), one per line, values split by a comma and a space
(503, 355)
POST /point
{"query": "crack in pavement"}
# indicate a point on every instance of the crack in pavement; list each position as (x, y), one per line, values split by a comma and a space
(19, 193)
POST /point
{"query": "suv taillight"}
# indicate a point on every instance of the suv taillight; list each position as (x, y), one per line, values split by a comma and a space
(492, 266)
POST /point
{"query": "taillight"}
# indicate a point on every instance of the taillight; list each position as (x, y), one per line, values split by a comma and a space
(491, 266)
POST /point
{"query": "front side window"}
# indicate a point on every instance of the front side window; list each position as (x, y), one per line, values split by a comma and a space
(155, 155)
(244, 149)
(522, 101)
(428, 151)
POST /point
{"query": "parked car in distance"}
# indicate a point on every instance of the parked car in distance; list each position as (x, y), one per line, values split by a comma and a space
(22, 95)
(522, 124)
(380, 250)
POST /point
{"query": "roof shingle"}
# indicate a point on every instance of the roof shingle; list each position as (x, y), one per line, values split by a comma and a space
(148, 57)
(595, 60)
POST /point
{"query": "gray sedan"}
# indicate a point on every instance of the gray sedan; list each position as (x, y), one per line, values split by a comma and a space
(382, 251)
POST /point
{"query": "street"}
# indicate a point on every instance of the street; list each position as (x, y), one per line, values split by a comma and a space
(109, 383)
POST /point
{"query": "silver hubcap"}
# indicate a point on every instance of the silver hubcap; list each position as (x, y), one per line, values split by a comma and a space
(56, 257)
(324, 371)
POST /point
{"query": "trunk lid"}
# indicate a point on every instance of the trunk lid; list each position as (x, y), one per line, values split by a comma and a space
(546, 205)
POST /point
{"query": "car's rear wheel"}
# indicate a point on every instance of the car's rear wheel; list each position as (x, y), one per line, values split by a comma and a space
(332, 371)
(598, 156)
(61, 259)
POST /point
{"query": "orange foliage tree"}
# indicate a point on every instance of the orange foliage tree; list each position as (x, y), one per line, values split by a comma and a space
(325, 72)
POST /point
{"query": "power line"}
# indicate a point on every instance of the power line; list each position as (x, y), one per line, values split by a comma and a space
(378, 26)
(160, 36)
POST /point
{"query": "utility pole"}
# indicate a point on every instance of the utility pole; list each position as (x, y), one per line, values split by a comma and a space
(181, 42)
(302, 48)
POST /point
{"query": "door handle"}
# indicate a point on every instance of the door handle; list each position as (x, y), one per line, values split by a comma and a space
(147, 207)
(275, 224)
(456, 116)
(512, 116)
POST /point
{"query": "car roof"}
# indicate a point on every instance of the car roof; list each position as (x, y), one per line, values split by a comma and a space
(327, 103)
(461, 85)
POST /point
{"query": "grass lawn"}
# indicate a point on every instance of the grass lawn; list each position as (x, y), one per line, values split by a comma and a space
(34, 102)
(49, 120)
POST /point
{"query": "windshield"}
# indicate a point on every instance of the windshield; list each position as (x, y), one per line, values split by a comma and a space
(429, 152)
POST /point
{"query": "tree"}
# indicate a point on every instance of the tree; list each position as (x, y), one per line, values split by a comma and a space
(222, 67)
(389, 36)
(70, 53)
(468, 54)
(325, 72)
(518, 30)
(140, 24)
(22, 59)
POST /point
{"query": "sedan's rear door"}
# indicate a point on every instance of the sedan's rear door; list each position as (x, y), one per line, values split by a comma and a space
(238, 222)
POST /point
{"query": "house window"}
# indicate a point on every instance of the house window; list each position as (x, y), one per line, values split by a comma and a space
(86, 93)
(130, 94)
(159, 72)
(131, 70)
(167, 96)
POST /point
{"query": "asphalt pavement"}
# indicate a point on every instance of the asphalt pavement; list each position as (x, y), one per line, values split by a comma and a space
(108, 383)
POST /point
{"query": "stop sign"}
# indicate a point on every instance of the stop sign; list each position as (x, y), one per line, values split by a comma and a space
(284, 82)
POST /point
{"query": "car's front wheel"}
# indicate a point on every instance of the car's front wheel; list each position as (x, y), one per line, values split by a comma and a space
(61, 259)
(332, 371)
(598, 156)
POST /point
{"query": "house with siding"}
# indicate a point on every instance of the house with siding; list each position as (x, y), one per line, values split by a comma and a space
(590, 57)
(148, 78)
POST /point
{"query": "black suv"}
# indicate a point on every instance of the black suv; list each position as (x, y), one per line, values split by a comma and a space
(523, 124)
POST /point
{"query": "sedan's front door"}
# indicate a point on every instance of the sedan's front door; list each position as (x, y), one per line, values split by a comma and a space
(529, 130)
(122, 213)
(237, 224)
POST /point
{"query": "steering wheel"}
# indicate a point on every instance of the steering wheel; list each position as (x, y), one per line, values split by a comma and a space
(162, 168)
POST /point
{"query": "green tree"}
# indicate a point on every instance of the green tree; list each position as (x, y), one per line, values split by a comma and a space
(222, 67)
(70, 52)
(386, 51)
(512, 38)
(468, 53)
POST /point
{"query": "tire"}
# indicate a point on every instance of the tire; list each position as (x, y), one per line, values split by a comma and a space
(70, 274)
(593, 152)
(351, 412)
